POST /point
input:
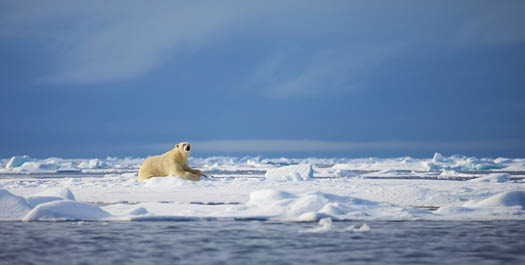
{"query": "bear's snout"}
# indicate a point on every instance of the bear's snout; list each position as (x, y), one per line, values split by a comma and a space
(188, 148)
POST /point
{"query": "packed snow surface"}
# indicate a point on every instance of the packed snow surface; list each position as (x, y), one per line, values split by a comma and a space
(253, 188)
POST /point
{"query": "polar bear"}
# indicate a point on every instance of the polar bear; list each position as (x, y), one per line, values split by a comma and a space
(171, 163)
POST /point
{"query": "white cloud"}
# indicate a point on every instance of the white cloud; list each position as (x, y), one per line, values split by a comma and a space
(104, 41)
(101, 41)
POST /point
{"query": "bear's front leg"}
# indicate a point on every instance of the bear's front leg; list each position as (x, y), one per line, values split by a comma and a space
(197, 172)
(187, 175)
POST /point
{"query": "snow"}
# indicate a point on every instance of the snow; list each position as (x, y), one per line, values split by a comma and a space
(255, 188)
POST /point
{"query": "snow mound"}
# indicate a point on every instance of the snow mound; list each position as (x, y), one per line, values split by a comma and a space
(17, 161)
(290, 173)
(12, 207)
(65, 211)
(506, 205)
(505, 199)
(495, 177)
(310, 207)
(52, 194)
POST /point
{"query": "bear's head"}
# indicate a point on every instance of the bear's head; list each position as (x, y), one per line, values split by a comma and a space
(184, 148)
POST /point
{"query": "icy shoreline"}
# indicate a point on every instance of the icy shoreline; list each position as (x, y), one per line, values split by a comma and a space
(285, 189)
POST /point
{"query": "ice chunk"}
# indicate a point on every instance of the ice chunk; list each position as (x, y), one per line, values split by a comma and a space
(291, 173)
(437, 158)
(65, 211)
(17, 161)
(504, 199)
(495, 177)
(325, 225)
(12, 207)
(448, 173)
(48, 195)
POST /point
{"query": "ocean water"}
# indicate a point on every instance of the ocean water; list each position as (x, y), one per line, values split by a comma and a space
(258, 242)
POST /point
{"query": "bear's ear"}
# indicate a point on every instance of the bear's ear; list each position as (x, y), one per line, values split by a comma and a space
(177, 146)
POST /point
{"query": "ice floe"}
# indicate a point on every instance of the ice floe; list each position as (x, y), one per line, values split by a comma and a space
(255, 188)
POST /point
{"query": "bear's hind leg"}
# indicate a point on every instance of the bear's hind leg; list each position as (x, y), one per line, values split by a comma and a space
(144, 175)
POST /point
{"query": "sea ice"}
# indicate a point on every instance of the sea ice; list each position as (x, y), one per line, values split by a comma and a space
(267, 189)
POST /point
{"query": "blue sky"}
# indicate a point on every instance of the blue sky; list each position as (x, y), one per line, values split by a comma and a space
(276, 78)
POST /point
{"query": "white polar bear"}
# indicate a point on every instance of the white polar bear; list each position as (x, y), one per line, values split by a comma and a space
(171, 163)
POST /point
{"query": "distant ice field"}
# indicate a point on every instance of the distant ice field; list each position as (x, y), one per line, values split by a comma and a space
(441, 188)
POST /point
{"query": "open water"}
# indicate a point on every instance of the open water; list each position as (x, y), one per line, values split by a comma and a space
(258, 242)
